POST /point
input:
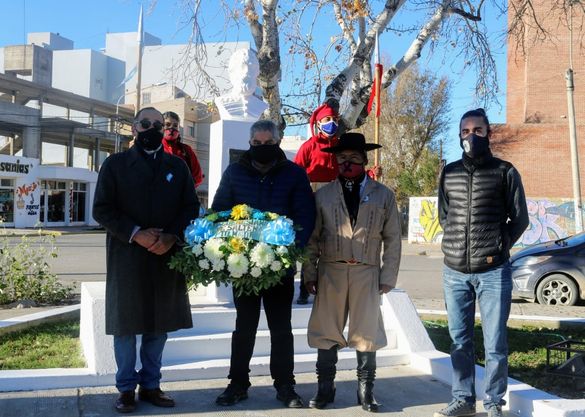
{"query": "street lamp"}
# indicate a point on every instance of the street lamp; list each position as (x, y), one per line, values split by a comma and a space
(117, 144)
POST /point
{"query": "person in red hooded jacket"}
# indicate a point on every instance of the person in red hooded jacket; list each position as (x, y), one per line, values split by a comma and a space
(172, 144)
(321, 167)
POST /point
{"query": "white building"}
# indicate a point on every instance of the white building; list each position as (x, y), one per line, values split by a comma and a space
(62, 140)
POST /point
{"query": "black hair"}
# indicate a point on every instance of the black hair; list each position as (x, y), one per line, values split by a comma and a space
(137, 117)
(171, 115)
(476, 113)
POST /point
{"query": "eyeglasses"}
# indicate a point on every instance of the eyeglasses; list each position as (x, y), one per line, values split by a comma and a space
(146, 124)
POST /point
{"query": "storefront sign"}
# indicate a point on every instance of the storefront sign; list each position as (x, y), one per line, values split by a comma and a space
(15, 167)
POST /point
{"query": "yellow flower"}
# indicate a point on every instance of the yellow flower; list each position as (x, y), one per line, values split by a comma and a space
(237, 244)
(241, 211)
(273, 216)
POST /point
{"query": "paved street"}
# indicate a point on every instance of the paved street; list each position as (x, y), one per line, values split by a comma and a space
(82, 258)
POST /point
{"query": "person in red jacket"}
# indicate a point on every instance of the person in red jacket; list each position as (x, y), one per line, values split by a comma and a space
(172, 144)
(321, 167)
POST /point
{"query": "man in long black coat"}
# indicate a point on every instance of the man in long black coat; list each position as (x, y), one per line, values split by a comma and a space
(144, 199)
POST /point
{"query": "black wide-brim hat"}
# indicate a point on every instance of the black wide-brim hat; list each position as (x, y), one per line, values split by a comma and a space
(352, 141)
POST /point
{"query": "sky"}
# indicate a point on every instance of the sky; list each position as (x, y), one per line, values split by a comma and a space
(86, 22)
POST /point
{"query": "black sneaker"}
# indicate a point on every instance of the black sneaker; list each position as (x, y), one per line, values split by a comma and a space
(287, 395)
(233, 394)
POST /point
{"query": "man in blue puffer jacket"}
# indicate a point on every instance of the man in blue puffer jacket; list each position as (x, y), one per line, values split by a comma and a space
(264, 179)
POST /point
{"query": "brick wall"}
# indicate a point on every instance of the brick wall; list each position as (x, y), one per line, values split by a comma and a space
(542, 155)
(536, 88)
(535, 137)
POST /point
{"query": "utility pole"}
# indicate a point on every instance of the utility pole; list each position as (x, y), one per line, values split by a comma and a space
(573, 133)
(139, 63)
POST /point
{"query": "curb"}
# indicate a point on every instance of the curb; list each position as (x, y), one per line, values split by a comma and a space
(30, 320)
(516, 320)
(45, 232)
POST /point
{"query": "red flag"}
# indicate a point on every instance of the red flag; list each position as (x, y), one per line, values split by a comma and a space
(375, 89)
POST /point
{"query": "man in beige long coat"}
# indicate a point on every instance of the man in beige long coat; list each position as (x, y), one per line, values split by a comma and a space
(354, 255)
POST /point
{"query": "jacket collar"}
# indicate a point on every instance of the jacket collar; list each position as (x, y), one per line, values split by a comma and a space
(329, 142)
(246, 161)
(471, 164)
(137, 161)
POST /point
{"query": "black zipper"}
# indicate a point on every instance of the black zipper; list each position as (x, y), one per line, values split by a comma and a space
(469, 202)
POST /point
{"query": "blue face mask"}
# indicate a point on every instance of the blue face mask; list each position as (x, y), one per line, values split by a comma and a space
(329, 128)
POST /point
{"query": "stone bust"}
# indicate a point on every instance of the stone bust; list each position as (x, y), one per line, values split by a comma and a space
(240, 103)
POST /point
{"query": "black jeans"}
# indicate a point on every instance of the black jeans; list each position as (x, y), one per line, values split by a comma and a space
(277, 306)
(302, 289)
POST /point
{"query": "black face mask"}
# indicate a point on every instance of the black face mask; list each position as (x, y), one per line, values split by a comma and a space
(150, 139)
(265, 153)
(475, 146)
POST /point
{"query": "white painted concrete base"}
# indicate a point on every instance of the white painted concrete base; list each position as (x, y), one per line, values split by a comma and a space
(203, 353)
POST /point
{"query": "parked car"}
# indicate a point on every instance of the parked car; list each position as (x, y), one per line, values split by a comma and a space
(551, 272)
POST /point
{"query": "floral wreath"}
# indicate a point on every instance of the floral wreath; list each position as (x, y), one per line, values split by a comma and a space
(250, 249)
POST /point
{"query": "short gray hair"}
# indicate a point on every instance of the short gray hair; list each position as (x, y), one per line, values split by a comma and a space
(265, 126)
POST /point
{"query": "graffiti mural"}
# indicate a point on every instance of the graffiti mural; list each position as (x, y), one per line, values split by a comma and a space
(550, 219)
(423, 224)
(26, 190)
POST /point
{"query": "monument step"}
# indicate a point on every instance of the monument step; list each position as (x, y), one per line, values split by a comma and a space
(260, 365)
(221, 320)
(218, 345)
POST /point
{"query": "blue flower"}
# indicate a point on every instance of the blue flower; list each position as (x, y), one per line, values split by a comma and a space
(278, 232)
(198, 231)
(258, 215)
(224, 214)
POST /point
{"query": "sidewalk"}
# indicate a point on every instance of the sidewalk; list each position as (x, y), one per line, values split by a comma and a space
(402, 391)
(55, 231)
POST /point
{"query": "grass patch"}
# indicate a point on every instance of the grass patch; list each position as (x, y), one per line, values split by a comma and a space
(54, 345)
(527, 355)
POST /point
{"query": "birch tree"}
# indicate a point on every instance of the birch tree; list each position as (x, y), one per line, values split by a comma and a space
(338, 70)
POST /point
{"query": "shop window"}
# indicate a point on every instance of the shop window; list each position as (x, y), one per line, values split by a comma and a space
(78, 202)
(7, 200)
(55, 194)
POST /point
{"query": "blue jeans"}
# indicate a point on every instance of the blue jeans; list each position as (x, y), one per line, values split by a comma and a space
(151, 350)
(493, 291)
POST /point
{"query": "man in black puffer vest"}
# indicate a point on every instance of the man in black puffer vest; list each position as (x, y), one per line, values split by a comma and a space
(482, 209)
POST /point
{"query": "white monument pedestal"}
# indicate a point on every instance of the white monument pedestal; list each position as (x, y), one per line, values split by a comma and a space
(229, 139)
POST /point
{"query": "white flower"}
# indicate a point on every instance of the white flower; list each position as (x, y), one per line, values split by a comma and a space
(204, 264)
(255, 272)
(237, 264)
(282, 250)
(218, 265)
(262, 255)
(197, 249)
(211, 249)
(276, 266)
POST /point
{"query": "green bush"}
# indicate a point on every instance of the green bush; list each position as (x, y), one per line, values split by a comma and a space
(25, 271)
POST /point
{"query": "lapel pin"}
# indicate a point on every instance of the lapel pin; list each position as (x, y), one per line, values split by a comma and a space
(169, 177)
